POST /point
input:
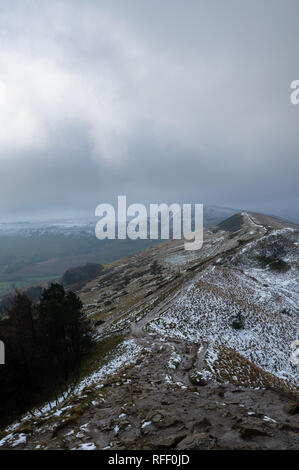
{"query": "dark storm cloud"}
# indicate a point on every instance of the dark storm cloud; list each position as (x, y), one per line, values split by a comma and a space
(172, 101)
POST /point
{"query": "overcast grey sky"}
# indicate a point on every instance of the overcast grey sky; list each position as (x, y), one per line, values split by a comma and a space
(159, 100)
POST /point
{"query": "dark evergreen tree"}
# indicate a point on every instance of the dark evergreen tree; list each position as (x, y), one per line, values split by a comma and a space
(44, 344)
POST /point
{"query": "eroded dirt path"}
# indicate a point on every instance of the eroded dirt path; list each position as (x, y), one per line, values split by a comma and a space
(151, 406)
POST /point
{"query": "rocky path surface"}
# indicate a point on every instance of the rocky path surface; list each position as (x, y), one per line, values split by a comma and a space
(152, 406)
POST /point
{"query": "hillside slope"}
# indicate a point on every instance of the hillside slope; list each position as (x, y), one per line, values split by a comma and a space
(198, 349)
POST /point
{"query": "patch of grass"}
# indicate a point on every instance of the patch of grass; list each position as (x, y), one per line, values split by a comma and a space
(234, 368)
(97, 355)
(232, 224)
(71, 419)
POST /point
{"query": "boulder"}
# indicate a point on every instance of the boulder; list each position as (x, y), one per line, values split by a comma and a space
(169, 441)
(247, 431)
(237, 322)
(251, 427)
(202, 425)
(197, 378)
(162, 419)
(198, 441)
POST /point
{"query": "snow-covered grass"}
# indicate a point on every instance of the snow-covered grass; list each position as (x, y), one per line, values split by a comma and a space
(204, 312)
(13, 439)
(125, 355)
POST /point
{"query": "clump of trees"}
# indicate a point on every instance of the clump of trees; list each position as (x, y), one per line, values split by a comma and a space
(33, 293)
(44, 344)
(81, 274)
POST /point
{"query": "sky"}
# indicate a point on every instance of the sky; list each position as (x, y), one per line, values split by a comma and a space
(161, 101)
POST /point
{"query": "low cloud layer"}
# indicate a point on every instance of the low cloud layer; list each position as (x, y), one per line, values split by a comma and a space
(168, 101)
